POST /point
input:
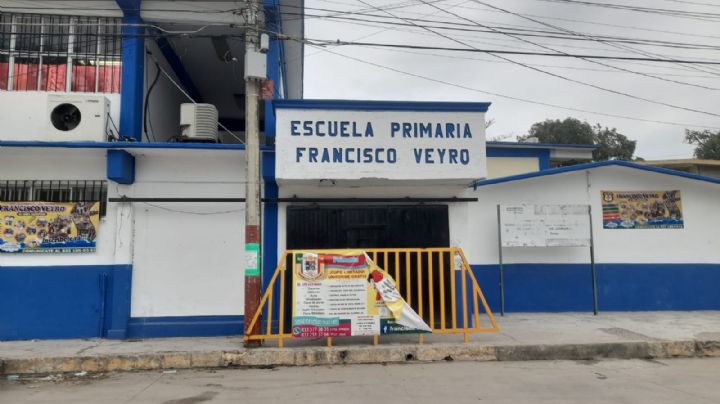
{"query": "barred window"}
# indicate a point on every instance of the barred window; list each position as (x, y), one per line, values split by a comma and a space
(55, 191)
(60, 53)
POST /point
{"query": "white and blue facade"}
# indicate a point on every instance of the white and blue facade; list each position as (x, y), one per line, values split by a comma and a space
(176, 268)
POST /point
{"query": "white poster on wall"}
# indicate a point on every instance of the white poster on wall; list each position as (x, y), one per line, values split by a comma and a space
(544, 226)
(377, 144)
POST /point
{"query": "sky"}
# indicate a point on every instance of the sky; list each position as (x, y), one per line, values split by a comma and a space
(372, 73)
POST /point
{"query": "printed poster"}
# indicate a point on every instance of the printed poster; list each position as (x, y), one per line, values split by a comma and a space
(342, 293)
(54, 227)
(642, 210)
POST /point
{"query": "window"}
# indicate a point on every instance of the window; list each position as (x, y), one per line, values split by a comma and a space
(60, 53)
(55, 191)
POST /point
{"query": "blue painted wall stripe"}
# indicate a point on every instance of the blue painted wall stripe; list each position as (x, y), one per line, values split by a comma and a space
(587, 166)
(185, 326)
(383, 105)
(84, 301)
(270, 226)
(621, 287)
(123, 145)
(133, 67)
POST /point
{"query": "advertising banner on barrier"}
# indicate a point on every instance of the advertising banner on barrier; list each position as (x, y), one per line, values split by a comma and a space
(55, 227)
(344, 293)
(642, 210)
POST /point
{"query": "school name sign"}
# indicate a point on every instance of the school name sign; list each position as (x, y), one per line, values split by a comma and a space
(346, 140)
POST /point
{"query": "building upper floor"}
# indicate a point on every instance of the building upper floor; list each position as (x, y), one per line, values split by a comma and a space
(145, 58)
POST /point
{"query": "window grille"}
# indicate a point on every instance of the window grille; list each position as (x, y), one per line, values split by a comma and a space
(60, 53)
(55, 191)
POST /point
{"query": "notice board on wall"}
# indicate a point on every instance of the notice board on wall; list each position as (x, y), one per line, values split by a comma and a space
(544, 226)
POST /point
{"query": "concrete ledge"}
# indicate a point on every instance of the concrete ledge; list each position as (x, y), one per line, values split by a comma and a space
(270, 357)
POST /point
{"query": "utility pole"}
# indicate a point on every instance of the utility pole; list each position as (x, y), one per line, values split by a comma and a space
(253, 279)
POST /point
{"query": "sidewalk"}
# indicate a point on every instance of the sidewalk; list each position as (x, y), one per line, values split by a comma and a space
(563, 336)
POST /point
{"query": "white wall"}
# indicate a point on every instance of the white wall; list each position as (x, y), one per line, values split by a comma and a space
(474, 228)
(188, 256)
(66, 164)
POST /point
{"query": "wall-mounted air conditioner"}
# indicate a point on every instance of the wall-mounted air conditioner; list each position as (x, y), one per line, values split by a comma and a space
(199, 122)
(77, 117)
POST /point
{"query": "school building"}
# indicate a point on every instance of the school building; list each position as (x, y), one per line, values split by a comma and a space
(90, 101)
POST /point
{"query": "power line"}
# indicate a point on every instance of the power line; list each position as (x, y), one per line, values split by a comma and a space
(568, 20)
(590, 69)
(325, 42)
(524, 100)
(617, 92)
(525, 31)
(702, 16)
(601, 41)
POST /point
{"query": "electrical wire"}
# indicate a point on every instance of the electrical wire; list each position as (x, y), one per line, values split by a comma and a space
(146, 106)
(590, 69)
(222, 212)
(524, 100)
(565, 78)
(702, 16)
(601, 41)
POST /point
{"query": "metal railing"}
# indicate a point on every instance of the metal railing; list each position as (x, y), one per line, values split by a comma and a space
(438, 283)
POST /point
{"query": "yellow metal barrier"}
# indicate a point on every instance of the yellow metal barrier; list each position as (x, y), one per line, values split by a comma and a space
(408, 266)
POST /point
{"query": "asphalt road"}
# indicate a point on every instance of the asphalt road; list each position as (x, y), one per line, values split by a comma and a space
(612, 381)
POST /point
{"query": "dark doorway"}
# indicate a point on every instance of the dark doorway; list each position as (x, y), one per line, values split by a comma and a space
(399, 226)
(367, 227)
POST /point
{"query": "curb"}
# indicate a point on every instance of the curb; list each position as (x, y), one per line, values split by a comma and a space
(316, 356)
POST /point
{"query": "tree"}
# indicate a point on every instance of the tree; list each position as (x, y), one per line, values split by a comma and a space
(708, 143)
(612, 145)
(568, 131)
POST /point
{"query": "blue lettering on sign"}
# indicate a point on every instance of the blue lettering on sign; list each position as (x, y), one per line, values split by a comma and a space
(407, 128)
(449, 130)
(354, 129)
(369, 130)
(380, 155)
(394, 127)
(465, 156)
(431, 155)
(392, 156)
(333, 129)
(367, 156)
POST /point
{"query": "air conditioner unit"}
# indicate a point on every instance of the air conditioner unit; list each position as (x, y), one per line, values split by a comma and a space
(199, 122)
(73, 117)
